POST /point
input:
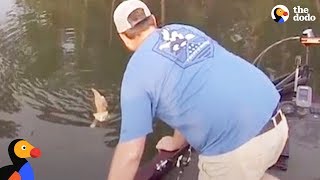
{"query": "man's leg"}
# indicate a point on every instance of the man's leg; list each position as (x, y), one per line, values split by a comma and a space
(202, 172)
(203, 176)
(221, 167)
(270, 144)
(251, 160)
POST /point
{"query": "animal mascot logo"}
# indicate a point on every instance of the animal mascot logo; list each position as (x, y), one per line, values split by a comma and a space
(20, 169)
(280, 14)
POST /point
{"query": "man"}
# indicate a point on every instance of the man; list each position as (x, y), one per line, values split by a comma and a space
(217, 102)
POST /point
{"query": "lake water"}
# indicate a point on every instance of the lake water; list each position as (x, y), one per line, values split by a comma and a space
(53, 52)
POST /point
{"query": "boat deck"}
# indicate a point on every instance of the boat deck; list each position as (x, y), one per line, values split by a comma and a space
(304, 157)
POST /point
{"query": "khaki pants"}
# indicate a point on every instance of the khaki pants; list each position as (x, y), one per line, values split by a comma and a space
(250, 161)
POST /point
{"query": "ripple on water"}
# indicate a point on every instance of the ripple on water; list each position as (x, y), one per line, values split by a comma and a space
(71, 105)
(57, 97)
(8, 129)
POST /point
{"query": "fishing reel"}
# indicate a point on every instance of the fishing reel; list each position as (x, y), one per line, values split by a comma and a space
(184, 160)
(161, 165)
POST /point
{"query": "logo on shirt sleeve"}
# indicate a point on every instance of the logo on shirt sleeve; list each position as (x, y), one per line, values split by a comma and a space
(183, 46)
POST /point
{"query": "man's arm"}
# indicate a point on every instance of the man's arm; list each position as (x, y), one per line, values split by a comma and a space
(126, 159)
(136, 123)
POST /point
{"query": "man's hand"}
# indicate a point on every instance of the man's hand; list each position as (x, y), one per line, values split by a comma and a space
(171, 143)
(167, 143)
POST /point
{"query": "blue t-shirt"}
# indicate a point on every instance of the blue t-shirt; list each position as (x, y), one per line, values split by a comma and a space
(216, 99)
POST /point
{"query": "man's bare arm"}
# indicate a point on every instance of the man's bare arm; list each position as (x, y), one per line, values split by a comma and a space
(126, 159)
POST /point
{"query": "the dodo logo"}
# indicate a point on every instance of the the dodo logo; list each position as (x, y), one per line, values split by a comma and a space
(19, 150)
(280, 14)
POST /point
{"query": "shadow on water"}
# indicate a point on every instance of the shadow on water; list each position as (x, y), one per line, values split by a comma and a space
(8, 129)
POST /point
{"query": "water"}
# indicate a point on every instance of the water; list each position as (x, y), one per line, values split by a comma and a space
(53, 52)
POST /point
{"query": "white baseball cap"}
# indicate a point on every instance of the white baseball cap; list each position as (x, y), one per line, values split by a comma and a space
(124, 9)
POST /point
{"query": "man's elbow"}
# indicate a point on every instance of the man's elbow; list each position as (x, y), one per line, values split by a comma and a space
(133, 149)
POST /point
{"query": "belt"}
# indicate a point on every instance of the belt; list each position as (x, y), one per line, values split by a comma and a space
(275, 120)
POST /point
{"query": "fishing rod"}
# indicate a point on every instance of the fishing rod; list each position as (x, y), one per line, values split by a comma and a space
(288, 85)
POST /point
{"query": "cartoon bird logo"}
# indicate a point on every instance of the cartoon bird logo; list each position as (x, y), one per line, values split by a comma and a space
(280, 14)
(19, 150)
